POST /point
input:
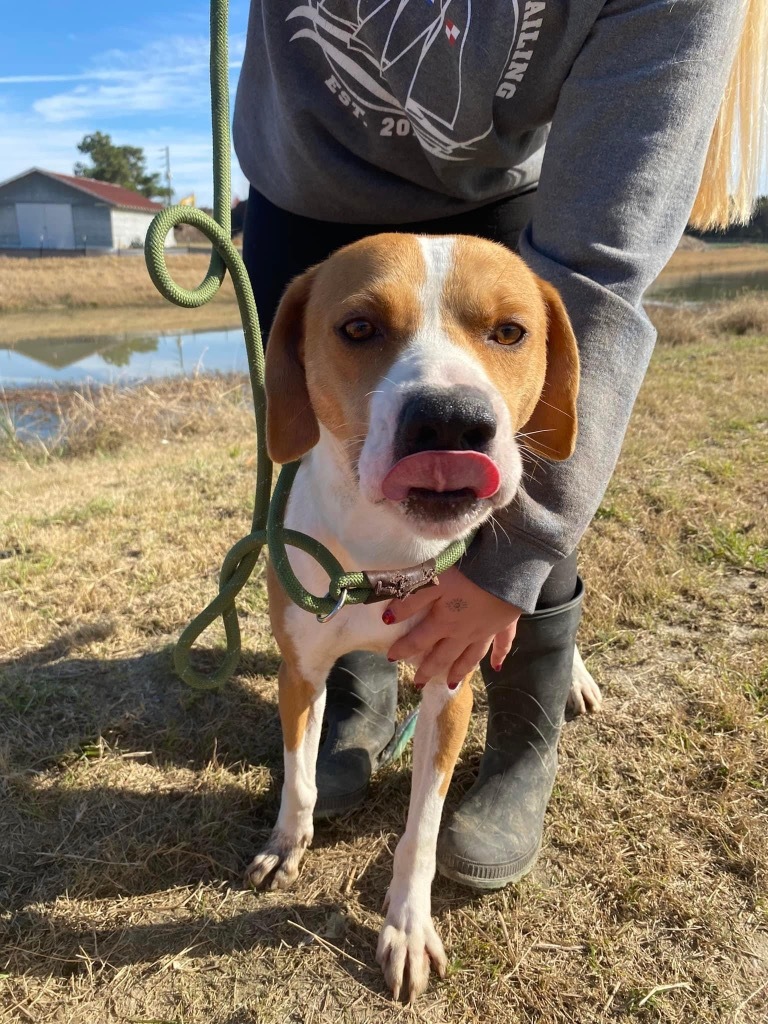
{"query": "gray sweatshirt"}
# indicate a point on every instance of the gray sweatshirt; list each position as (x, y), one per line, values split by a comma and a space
(365, 111)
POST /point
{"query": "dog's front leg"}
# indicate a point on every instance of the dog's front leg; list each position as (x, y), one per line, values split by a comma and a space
(408, 942)
(301, 704)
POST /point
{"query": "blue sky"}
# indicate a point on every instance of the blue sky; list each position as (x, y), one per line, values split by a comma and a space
(136, 71)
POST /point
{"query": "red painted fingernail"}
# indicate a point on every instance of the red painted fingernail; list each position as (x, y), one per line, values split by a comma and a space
(497, 668)
(391, 659)
(388, 617)
(452, 686)
(419, 686)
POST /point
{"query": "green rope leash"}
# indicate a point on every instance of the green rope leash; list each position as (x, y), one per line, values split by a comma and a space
(268, 517)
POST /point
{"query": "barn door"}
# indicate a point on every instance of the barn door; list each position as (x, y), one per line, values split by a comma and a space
(46, 225)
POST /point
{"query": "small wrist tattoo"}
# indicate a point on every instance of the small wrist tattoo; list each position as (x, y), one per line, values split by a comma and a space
(458, 605)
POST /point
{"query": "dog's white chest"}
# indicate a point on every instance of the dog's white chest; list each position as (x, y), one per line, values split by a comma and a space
(355, 627)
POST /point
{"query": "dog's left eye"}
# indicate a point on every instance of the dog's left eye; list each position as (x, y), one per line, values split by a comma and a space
(507, 334)
(358, 330)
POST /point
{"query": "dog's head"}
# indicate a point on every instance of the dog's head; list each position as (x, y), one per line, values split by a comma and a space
(425, 360)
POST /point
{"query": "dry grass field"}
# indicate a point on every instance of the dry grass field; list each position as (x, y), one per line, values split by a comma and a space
(82, 324)
(103, 295)
(130, 805)
(94, 282)
(115, 282)
(718, 259)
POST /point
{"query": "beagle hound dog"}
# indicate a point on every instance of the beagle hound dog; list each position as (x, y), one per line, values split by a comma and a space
(403, 371)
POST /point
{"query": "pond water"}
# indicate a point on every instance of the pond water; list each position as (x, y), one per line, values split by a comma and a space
(708, 287)
(126, 358)
(119, 359)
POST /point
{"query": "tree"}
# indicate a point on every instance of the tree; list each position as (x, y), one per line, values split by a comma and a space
(120, 165)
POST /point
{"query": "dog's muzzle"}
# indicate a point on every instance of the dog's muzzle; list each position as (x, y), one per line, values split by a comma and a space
(442, 464)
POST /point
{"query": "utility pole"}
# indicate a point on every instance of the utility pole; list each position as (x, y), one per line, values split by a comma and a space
(168, 177)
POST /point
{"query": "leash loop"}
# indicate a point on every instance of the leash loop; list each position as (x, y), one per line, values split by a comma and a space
(268, 516)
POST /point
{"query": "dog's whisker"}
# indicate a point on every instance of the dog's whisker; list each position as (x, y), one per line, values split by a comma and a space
(495, 522)
(352, 445)
(533, 433)
(521, 438)
(530, 456)
(492, 524)
(536, 463)
(556, 408)
(531, 474)
(533, 456)
(532, 464)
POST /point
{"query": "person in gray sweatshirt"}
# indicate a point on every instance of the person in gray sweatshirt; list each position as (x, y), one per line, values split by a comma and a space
(575, 131)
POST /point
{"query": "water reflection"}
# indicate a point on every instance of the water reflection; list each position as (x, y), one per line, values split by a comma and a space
(108, 359)
(708, 287)
(119, 358)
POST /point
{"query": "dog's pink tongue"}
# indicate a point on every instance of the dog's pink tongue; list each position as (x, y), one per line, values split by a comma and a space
(442, 471)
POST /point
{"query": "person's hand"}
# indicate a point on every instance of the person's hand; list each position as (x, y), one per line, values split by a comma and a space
(463, 621)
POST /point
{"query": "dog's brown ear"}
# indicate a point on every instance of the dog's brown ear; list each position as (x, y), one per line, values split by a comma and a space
(292, 427)
(551, 430)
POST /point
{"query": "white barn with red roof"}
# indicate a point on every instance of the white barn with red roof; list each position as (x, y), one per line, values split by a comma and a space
(51, 211)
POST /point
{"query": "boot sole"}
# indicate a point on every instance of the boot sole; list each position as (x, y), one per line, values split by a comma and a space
(487, 877)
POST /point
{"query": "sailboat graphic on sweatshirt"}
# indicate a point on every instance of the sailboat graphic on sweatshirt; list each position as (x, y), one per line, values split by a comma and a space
(402, 58)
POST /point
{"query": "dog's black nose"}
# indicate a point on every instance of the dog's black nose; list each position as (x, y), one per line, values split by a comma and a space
(445, 419)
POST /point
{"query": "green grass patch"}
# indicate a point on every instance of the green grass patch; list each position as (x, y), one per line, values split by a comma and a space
(735, 546)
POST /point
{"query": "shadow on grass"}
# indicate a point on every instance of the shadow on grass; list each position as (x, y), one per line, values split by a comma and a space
(121, 782)
(57, 705)
(32, 947)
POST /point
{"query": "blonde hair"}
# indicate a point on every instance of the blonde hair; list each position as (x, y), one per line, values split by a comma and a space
(739, 137)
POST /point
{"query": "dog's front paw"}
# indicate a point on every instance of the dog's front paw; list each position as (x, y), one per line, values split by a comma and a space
(405, 951)
(584, 696)
(277, 866)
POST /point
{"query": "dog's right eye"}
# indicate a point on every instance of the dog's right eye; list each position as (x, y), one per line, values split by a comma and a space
(508, 334)
(358, 329)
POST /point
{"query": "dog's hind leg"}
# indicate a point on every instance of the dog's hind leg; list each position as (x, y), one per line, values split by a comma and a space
(301, 715)
(408, 942)
(584, 697)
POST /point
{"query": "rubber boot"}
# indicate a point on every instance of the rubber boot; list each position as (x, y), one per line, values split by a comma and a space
(360, 722)
(494, 836)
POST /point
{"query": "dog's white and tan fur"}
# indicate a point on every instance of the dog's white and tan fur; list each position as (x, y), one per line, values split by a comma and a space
(435, 303)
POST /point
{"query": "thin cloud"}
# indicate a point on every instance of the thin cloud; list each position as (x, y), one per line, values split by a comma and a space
(156, 93)
(105, 76)
(163, 75)
(34, 79)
